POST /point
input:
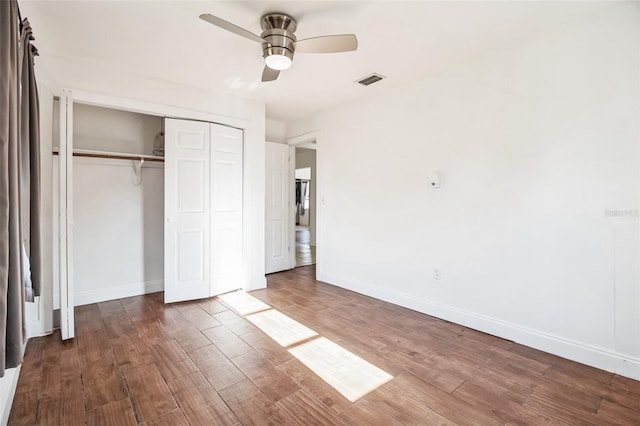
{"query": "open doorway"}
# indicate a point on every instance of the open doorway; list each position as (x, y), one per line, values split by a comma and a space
(291, 209)
(305, 205)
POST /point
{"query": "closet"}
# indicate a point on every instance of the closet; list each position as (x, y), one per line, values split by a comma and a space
(118, 204)
(145, 204)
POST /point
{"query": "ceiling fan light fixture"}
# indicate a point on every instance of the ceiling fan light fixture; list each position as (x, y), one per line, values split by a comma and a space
(277, 57)
(279, 42)
(278, 62)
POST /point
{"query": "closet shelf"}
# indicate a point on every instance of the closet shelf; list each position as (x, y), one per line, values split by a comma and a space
(114, 155)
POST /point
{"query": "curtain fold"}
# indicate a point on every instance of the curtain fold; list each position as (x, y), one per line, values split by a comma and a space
(30, 162)
(19, 180)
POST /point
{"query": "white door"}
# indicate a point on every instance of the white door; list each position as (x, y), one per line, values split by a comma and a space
(187, 231)
(65, 223)
(226, 202)
(277, 208)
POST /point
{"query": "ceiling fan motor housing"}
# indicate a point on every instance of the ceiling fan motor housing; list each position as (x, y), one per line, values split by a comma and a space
(278, 35)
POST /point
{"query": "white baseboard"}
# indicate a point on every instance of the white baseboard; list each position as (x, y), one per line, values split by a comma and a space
(566, 348)
(117, 292)
(8, 385)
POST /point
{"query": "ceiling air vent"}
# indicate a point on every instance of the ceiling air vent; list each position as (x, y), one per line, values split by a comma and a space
(370, 79)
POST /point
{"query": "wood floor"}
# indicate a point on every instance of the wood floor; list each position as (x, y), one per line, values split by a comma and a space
(137, 360)
(305, 252)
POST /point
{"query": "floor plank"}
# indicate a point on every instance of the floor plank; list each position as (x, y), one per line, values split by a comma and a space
(272, 382)
(304, 409)
(248, 403)
(386, 405)
(63, 408)
(200, 402)
(130, 352)
(227, 342)
(306, 379)
(103, 383)
(113, 413)
(216, 367)
(149, 393)
(172, 360)
(25, 409)
(174, 417)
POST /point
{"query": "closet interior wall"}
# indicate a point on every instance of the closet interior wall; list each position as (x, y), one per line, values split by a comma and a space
(118, 213)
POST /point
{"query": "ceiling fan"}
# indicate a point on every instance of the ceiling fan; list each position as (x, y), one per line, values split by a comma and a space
(279, 42)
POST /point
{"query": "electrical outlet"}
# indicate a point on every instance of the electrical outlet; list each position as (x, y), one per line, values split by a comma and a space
(437, 273)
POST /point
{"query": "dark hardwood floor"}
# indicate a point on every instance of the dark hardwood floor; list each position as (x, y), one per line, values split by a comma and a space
(138, 361)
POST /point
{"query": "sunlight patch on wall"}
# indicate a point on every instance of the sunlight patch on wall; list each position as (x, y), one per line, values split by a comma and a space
(281, 328)
(349, 374)
(243, 303)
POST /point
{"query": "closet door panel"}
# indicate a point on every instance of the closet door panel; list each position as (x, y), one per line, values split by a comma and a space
(192, 179)
(190, 268)
(226, 218)
(187, 210)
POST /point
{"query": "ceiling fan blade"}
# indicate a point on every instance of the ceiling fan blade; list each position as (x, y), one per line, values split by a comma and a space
(328, 44)
(230, 27)
(269, 74)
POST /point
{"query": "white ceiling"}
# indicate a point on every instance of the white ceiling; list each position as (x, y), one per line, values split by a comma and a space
(401, 40)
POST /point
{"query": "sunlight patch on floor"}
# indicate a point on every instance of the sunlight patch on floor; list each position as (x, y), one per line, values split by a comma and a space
(243, 303)
(281, 328)
(346, 372)
(349, 374)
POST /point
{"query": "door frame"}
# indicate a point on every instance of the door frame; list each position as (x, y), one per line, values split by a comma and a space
(249, 128)
(294, 142)
(65, 223)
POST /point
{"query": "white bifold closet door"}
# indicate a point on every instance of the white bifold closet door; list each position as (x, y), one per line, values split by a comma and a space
(203, 209)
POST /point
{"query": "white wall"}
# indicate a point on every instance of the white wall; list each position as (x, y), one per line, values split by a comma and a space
(535, 143)
(275, 131)
(119, 230)
(307, 158)
(106, 129)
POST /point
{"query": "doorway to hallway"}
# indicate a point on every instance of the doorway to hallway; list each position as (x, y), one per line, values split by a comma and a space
(305, 205)
(291, 213)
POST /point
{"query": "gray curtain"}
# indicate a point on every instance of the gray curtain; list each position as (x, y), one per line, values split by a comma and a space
(15, 153)
(30, 162)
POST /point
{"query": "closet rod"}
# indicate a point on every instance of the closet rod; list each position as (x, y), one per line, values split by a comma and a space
(113, 156)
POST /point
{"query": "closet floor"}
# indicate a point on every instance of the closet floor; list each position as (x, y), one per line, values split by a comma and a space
(139, 361)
